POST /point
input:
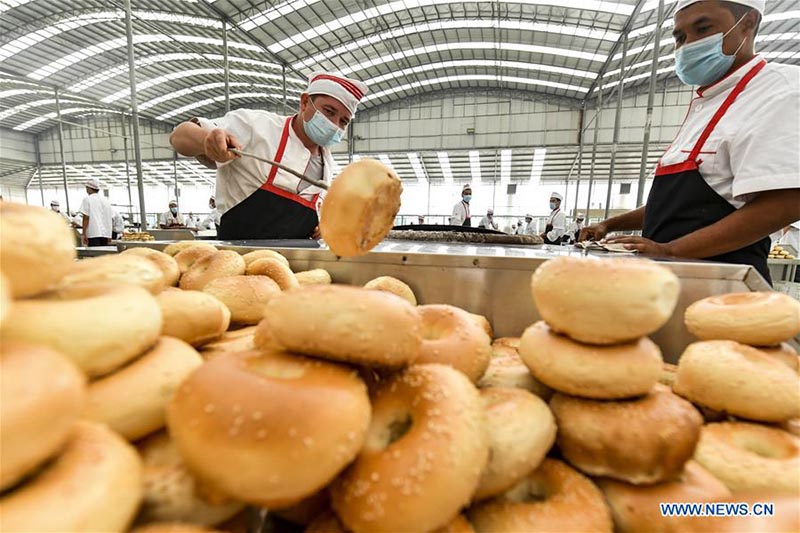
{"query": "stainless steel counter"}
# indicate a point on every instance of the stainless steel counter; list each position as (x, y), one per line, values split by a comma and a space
(494, 281)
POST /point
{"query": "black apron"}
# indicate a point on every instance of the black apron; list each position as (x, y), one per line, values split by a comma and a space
(271, 212)
(681, 201)
(549, 227)
(467, 221)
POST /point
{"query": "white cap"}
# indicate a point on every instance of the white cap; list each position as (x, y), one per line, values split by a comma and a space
(580, 216)
(490, 211)
(92, 184)
(346, 90)
(556, 196)
(173, 202)
(465, 187)
(55, 203)
(528, 215)
(758, 5)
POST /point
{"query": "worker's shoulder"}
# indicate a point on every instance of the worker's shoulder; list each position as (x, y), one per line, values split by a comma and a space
(258, 116)
(779, 78)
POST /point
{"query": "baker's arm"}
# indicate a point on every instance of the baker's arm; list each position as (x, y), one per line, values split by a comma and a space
(84, 237)
(766, 214)
(192, 140)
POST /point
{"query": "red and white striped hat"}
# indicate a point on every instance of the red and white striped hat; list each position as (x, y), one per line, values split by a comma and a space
(347, 91)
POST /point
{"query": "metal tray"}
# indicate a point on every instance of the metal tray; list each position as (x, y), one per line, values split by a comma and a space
(494, 281)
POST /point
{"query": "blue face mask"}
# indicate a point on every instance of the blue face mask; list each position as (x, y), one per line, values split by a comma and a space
(552, 205)
(703, 62)
(174, 210)
(467, 197)
(322, 131)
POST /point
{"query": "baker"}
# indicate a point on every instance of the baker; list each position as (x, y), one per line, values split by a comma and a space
(732, 175)
(259, 201)
(556, 223)
(488, 221)
(461, 209)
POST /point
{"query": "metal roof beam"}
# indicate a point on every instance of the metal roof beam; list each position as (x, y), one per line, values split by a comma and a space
(613, 51)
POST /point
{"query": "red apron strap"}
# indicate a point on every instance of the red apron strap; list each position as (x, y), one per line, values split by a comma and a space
(279, 154)
(724, 108)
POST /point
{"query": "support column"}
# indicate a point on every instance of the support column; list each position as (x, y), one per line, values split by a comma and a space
(61, 147)
(226, 65)
(39, 166)
(594, 153)
(351, 140)
(137, 149)
(617, 119)
(175, 175)
(283, 78)
(581, 133)
(650, 100)
(127, 166)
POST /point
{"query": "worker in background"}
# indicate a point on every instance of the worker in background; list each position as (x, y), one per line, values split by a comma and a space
(575, 228)
(731, 177)
(117, 226)
(530, 225)
(420, 220)
(488, 222)
(556, 225)
(520, 227)
(259, 201)
(171, 219)
(461, 209)
(212, 220)
(97, 216)
(791, 236)
(55, 206)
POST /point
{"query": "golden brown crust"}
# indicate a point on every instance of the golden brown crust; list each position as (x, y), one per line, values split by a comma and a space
(235, 340)
(222, 264)
(636, 508)
(554, 497)
(95, 484)
(193, 316)
(641, 441)
(98, 326)
(424, 453)
(451, 337)
(190, 255)
(130, 269)
(318, 276)
(484, 324)
(132, 401)
(38, 248)
(360, 207)
(757, 318)
(166, 263)
(274, 269)
(599, 372)
(171, 493)
(262, 254)
(510, 371)
(604, 301)
(784, 353)
(394, 286)
(246, 297)
(268, 429)
(343, 323)
(509, 342)
(751, 457)
(176, 247)
(710, 374)
(5, 298)
(521, 431)
(41, 397)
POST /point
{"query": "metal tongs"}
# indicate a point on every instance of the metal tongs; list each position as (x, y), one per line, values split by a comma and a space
(316, 183)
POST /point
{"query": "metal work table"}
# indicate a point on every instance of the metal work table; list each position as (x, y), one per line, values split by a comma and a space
(493, 281)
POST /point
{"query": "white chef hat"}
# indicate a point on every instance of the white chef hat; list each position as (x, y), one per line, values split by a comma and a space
(466, 187)
(758, 5)
(556, 196)
(580, 216)
(528, 215)
(55, 203)
(346, 90)
(173, 202)
(490, 211)
(92, 184)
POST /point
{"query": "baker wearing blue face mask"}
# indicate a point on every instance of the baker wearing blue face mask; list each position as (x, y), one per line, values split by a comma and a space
(461, 209)
(256, 200)
(732, 175)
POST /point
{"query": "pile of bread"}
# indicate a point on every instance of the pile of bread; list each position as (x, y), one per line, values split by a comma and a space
(137, 236)
(166, 391)
(778, 252)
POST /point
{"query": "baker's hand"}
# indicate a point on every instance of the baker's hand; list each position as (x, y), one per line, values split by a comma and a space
(216, 145)
(84, 240)
(595, 232)
(316, 235)
(642, 245)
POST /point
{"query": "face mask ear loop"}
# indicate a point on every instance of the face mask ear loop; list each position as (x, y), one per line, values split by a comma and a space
(730, 30)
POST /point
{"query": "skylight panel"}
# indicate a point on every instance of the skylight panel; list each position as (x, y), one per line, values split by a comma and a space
(220, 98)
(444, 163)
(505, 166)
(383, 158)
(538, 164)
(475, 166)
(419, 169)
